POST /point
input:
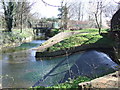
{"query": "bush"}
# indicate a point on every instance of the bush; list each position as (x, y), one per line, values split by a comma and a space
(54, 32)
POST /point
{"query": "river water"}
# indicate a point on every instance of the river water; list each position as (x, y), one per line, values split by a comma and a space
(21, 69)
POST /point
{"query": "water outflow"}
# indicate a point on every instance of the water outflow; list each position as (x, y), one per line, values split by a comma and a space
(91, 64)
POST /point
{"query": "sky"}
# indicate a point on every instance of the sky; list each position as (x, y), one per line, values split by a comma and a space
(48, 11)
(43, 10)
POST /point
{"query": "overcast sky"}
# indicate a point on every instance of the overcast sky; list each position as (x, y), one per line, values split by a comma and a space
(45, 10)
(48, 11)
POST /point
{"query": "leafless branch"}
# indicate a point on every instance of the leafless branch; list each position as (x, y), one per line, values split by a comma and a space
(49, 4)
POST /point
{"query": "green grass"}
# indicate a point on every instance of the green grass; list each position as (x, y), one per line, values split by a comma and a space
(15, 36)
(88, 36)
(89, 30)
(25, 32)
(72, 83)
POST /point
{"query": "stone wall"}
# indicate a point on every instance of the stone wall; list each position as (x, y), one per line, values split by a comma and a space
(114, 35)
(115, 21)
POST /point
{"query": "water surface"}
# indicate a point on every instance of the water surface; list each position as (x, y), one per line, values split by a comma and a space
(21, 69)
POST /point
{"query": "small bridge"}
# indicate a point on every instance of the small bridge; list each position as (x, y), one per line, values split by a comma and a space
(43, 30)
(42, 27)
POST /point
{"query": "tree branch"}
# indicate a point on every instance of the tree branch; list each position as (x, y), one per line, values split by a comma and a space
(49, 4)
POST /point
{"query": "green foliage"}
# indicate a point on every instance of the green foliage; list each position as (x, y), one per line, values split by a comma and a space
(54, 32)
(15, 36)
(25, 33)
(72, 83)
(9, 37)
(89, 30)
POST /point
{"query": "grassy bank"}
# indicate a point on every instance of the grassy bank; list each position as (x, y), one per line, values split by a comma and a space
(87, 36)
(7, 38)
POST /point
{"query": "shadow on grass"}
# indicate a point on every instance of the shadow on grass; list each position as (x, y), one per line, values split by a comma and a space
(101, 41)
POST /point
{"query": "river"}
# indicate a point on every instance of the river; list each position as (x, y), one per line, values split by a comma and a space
(20, 69)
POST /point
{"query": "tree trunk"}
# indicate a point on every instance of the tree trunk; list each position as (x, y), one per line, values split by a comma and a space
(21, 24)
(8, 23)
(98, 24)
(8, 13)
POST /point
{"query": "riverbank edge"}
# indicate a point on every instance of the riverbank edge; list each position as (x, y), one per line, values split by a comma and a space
(72, 50)
(107, 81)
(16, 44)
(69, 50)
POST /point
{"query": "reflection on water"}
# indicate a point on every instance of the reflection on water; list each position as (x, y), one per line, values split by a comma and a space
(21, 70)
(24, 72)
(90, 63)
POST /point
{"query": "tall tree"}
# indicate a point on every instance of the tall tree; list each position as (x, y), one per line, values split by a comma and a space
(64, 15)
(8, 14)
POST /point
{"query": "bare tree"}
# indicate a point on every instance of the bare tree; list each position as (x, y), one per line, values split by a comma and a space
(109, 11)
(22, 12)
(98, 14)
(16, 14)
(79, 10)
